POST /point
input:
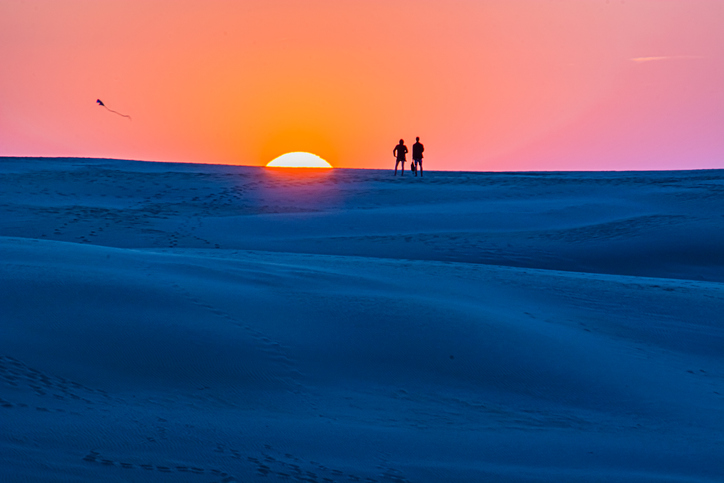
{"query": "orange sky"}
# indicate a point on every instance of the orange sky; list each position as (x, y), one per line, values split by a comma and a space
(487, 85)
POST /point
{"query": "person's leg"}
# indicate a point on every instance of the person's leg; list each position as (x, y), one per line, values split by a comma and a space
(403, 168)
(397, 161)
(419, 167)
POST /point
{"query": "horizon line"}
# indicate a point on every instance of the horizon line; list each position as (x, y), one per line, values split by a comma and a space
(367, 169)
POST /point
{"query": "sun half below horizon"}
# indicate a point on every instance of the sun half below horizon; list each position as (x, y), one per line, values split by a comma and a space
(298, 160)
(493, 85)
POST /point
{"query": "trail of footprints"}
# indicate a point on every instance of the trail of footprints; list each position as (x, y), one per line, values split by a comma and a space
(294, 469)
(97, 458)
(88, 222)
(286, 467)
(225, 199)
(266, 344)
(17, 374)
(282, 468)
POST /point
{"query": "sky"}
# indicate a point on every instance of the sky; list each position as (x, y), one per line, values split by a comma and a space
(497, 85)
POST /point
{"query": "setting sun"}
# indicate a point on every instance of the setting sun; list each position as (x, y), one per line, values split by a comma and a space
(298, 160)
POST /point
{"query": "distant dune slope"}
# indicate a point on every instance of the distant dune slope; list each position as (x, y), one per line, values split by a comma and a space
(663, 224)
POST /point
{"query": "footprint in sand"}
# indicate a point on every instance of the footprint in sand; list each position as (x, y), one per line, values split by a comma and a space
(95, 457)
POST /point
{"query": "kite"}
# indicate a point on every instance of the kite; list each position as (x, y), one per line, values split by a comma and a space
(100, 103)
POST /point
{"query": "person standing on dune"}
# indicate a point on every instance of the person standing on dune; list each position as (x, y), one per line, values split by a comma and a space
(399, 152)
(417, 150)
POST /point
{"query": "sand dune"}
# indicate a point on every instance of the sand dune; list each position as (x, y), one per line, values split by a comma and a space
(169, 322)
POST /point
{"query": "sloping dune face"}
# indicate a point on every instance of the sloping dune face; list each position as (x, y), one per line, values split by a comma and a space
(200, 323)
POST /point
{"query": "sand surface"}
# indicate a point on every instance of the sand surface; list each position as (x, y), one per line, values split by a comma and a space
(176, 322)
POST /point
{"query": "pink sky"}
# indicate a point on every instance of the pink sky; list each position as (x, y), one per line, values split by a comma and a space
(487, 85)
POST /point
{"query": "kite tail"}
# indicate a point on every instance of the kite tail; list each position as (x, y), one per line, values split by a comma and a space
(116, 112)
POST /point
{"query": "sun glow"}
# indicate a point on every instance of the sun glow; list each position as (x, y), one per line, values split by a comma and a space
(298, 160)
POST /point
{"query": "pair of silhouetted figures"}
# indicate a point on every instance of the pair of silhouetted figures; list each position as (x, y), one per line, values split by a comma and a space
(400, 153)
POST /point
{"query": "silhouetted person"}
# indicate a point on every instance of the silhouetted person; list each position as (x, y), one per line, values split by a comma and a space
(417, 150)
(399, 152)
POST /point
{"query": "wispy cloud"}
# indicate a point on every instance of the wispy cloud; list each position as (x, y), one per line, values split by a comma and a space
(664, 57)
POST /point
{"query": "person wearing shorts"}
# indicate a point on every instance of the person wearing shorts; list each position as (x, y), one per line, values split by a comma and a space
(417, 150)
(399, 152)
